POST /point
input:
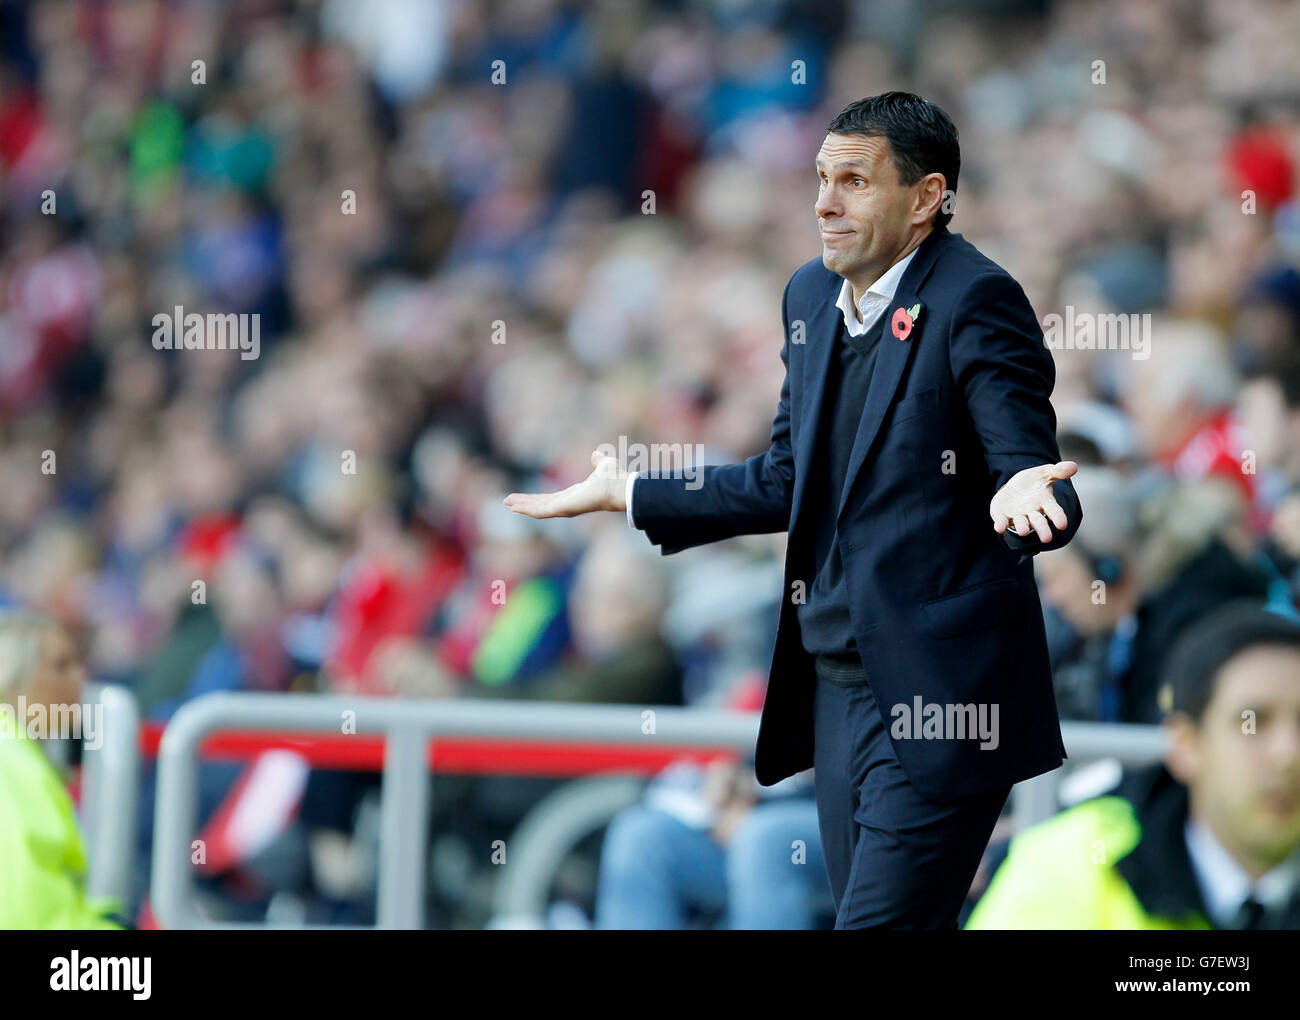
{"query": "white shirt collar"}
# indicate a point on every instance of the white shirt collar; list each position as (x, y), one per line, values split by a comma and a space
(1225, 886)
(875, 300)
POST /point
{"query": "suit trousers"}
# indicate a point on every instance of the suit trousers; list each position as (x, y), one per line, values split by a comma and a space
(894, 858)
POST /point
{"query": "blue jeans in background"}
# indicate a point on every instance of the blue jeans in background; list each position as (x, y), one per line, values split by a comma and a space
(655, 870)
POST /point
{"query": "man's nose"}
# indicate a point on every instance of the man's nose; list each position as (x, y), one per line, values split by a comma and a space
(1283, 741)
(827, 204)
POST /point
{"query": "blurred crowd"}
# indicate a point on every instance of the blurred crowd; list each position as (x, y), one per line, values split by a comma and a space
(485, 237)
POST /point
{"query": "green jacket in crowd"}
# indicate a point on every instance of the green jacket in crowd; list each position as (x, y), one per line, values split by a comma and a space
(1116, 862)
(42, 857)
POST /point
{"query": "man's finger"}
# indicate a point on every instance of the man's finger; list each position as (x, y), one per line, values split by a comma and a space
(1063, 469)
(1055, 514)
(530, 504)
(1040, 525)
(521, 502)
(1022, 525)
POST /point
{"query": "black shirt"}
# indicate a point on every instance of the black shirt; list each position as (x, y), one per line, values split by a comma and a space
(824, 616)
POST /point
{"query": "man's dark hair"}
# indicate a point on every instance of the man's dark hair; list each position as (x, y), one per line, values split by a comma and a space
(1202, 651)
(921, 136)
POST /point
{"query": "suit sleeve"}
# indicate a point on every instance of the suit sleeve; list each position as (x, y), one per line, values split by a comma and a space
(1006, 373)
(722, 501)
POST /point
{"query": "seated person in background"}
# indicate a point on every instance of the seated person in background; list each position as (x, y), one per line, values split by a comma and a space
(1210, 837)
(1139, 574)
(1197, 556)
(42, 857)
(713, 842)
(1181, 400)
(1269, 407)
(616, 610)
(1093, 585)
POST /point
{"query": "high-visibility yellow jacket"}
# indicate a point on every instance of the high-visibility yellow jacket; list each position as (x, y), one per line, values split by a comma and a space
(42, 856)
(1116, 862)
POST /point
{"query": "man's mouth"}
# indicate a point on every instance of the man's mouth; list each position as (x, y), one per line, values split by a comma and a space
(1280, 804)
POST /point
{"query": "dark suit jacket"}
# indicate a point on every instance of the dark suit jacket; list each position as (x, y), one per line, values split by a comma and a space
(942, 607)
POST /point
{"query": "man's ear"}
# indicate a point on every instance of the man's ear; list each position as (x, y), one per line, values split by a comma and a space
(930, 198)
(1183, 753)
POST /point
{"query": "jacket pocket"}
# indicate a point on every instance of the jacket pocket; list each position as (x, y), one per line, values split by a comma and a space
(991, 604)
(916, 404)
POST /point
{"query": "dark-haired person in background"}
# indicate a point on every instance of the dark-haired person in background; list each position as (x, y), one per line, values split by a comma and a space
(1092, 590)
(1138, 574)
(914, 463)
(1269, 408)
(1210, 837)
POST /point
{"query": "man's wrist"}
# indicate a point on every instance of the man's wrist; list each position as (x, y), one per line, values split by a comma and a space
(627, 498)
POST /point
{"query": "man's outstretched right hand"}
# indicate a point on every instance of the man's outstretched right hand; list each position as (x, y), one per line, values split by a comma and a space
(603, 489)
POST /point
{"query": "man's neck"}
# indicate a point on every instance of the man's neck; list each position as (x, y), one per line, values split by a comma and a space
(863, 281)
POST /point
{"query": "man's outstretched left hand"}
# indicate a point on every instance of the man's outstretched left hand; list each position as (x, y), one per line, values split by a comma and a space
(1026, 501)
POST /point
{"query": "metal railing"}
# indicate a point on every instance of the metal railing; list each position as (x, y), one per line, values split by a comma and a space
(110, 793)
(409, 726)
(548, 834)
(1037, 799)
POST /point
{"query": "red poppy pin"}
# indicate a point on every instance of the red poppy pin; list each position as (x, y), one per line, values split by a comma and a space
(904, 319)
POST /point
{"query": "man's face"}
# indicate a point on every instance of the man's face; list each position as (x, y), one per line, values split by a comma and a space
(608, 608)
(864, 213)
(1266, 421)
(1244, 784)
(59, 675)
(1066, 582)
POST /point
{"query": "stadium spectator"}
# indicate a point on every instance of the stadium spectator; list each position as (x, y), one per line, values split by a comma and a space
(616, 609)
(42, 857)
(1197, 555)
(1208, 838)
(709, 846)
(1094, 586)
(1181, 400)
(1138, 580)
(1269, 407)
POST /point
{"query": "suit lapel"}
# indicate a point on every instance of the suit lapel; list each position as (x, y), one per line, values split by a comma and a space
(891, 359)
(822, 332)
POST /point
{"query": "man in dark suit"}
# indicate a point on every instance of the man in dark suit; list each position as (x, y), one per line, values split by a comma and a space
(914, 463)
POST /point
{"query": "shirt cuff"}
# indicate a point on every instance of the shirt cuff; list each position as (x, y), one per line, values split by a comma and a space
(627, 498)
